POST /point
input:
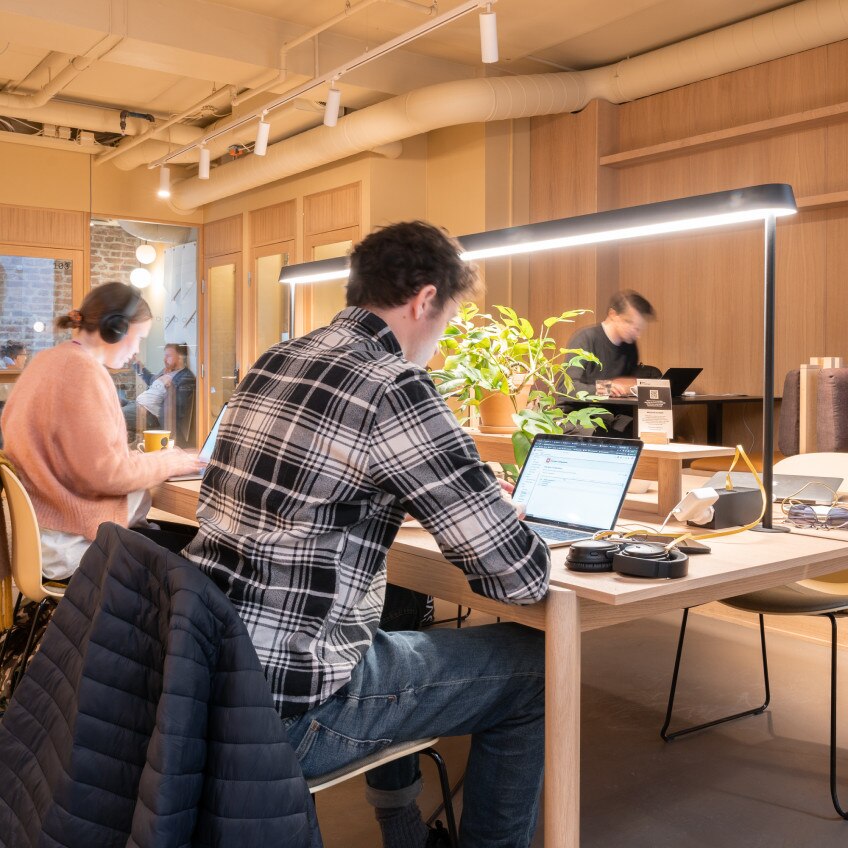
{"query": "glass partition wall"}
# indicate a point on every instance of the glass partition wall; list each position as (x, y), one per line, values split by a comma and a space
(161, 261)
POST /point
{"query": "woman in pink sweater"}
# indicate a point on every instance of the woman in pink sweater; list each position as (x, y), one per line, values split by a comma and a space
(66, 435)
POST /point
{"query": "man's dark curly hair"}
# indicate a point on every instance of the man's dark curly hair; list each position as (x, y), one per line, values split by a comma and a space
(392, 264)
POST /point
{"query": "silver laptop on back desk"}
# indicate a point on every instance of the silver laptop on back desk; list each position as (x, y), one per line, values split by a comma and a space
(573, 486)
(784, 485)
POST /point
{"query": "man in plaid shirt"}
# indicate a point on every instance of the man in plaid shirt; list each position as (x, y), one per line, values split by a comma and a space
(329, 440)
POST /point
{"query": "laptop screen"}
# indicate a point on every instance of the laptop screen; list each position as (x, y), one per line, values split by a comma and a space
(576, 480)
(209, 445)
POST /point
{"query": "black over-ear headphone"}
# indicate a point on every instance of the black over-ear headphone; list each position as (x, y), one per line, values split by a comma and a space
(636, 559)
(114, 325)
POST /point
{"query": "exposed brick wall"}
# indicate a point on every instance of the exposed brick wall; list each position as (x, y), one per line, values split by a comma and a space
(33, 290)
(112, 254)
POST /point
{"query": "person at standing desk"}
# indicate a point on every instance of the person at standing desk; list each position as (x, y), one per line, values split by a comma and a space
(326, 444)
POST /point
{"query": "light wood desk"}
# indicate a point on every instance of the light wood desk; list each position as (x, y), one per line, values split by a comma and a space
(579, 602)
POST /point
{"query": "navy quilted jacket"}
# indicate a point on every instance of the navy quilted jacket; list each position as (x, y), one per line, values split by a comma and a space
(145, 719)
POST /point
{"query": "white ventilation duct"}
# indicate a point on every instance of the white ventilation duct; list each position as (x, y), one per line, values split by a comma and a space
(792, 29)
(162, 233)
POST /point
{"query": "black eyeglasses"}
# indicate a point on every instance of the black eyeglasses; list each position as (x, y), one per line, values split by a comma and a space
(823, 517)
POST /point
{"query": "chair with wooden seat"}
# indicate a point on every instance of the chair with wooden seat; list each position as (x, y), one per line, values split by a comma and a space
(826, 597)
(388, 755)
(25, 561)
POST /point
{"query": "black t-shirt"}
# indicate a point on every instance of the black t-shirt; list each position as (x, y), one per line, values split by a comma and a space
(620, 360)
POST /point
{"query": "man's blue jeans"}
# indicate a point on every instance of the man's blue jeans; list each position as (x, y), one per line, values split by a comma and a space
(485, 681)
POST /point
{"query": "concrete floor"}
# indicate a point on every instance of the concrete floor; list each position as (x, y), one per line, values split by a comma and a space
(758, 782)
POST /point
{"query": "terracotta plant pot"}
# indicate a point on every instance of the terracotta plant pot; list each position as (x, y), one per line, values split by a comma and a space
(496, 411)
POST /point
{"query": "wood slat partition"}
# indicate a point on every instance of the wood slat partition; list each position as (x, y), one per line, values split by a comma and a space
(222, 237)
(273, 224)
(34, 227)
(781, 121)
(334, 209)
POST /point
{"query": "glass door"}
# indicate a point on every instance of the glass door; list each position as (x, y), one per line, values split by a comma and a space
(272, 308)
(222, 337)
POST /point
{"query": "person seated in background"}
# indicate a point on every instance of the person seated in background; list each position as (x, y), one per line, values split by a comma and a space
(614, 342)
(330, 439)
(66, 437)
(14, 354)
(169, 400)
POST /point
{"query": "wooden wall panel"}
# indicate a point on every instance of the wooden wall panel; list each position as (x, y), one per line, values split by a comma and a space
(58, 228)
(332, 210)
(273, 224)
(222, 237)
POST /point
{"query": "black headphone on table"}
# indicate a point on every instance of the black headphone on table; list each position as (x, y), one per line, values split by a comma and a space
(115, 325)
(634, 559)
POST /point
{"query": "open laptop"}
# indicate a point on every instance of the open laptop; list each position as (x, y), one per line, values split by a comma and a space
(205, 453)
(680, 379)
(573, 486)
(784, 485)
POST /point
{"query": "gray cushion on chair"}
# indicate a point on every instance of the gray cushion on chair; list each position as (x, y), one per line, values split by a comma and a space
(793, 599)
(832, 410)
(789, 427)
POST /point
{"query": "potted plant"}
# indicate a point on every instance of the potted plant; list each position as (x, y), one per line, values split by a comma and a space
(501, 365)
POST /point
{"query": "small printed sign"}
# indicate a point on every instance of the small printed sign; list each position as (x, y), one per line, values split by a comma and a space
(653, 400)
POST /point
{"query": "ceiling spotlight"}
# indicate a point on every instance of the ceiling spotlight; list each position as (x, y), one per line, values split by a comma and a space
(164, 182)
(38, 326)
(203, 167)
(145, 253)
(262, 133)
(331, 109)
(488, 36)
(140, 278)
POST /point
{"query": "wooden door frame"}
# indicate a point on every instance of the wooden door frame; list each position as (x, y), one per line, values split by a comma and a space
(252, 300)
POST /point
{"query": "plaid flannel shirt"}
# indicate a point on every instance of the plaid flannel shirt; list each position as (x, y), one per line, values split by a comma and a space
(325, 445)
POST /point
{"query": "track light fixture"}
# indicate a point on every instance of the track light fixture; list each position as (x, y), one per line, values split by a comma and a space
(331, 108)
(488, 36)
(203, 166)
(262, 133)
(164, 182)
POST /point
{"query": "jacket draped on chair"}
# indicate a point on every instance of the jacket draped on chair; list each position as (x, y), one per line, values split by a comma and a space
(145, 719)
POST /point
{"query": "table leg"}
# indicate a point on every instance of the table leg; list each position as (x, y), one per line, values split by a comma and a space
(562, 719)
(669, 484)
(715, 413)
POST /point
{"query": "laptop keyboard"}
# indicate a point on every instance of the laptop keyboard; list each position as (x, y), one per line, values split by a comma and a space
(558, 534)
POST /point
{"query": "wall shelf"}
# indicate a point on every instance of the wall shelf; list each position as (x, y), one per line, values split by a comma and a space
(727, 137)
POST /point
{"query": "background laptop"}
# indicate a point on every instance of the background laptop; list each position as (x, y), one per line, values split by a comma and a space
(206, 451)
(680, 379)
(784, 485)
(573, 486)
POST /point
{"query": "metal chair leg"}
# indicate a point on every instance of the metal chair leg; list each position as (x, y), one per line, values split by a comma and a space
(833, 646)
(28, 649)
(755, 711)
(447, 799)
(9, 631)
(460, 617)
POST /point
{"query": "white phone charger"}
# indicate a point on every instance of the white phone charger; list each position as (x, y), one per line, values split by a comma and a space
(696, 506)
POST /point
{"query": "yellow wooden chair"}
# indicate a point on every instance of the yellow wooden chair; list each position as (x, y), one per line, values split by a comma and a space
(25, 560)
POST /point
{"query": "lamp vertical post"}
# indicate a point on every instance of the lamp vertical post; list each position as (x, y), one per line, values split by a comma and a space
(292, 299)
(769, 229)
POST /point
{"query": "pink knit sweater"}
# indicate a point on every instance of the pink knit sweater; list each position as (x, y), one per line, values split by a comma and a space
(64, 431)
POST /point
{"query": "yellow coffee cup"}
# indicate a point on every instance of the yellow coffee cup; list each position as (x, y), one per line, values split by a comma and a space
(154, 440)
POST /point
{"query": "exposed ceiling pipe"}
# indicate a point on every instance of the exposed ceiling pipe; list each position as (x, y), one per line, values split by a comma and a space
(792, 29)
(65, 77)
(349, 10)
(129, 144)
(44, 65)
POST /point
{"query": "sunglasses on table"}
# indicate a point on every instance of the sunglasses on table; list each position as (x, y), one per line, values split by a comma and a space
(821, 516)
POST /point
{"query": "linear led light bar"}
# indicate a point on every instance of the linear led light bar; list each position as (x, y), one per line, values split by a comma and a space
(719, 209)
